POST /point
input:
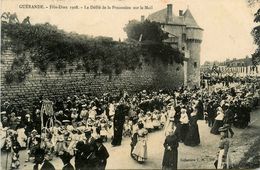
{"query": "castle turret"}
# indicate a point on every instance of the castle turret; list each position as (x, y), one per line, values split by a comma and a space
(193, 42)
(186, 35)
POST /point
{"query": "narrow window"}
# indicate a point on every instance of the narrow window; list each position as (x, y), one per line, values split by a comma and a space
(195, 64)
(183, 37)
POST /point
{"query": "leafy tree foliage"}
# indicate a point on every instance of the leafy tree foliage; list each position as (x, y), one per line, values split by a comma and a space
(256, 34)
(47, 45)
(151, 31)
(151, 37)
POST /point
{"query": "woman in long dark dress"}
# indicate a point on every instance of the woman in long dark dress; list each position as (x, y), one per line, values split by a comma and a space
(193, 136)
(184, 125)
(218, 121)
(119, 120)
(170, 157)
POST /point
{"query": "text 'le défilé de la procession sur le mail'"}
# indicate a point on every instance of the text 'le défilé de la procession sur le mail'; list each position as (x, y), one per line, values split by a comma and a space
(83, 7)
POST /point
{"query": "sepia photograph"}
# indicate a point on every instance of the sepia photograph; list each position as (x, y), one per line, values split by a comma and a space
(127, 84)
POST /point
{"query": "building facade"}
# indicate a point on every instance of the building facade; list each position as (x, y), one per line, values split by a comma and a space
(235, 67)
(185, 35)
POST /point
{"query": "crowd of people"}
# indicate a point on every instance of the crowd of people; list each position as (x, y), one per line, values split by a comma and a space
(79, 125)
(225, 80)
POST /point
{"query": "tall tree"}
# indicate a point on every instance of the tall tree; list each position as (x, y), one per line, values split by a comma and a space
(256, 34)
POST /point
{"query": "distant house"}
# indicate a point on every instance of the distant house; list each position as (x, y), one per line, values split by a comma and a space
(238, 67)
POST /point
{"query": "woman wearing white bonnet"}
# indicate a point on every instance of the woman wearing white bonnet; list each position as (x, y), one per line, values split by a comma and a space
(184, 124)
(218, 122)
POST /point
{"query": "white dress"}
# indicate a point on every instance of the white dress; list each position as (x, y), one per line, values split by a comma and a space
(140, 149)
(92, 114)
(21, 137)
(156, 122)
(148, 123)
(163, 118)
(111, 109)
(83, 114)
(103, 131)
(2, 135)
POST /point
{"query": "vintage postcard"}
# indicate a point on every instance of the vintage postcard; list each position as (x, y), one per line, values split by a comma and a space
(130, 84)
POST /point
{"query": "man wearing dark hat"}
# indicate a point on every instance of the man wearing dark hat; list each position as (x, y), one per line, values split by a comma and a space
(79, 161)
(89, 149)
(101, 154)
(66, 157)
(42, 161)
(223, 160)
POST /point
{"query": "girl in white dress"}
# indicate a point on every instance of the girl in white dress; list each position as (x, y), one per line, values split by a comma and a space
(22, 138)
(148, 123)
(155, 120)
(163, 118)
(140, 150)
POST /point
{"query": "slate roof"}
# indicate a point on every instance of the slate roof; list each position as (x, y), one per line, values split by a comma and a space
(187, 18)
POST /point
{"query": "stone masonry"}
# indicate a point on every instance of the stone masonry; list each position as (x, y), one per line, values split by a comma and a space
(77, 82)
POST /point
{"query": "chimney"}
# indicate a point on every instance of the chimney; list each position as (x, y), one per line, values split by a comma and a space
(180, 12)
(169, 13)
(142, 18)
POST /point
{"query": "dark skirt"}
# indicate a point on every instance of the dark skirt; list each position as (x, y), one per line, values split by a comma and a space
(170, 159)
(193, 136)
(118, 133)
(184, 128)
(217, 124)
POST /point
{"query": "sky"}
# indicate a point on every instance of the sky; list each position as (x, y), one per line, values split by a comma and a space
(227, 23)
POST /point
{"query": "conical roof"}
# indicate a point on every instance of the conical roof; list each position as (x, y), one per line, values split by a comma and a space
(189, 19)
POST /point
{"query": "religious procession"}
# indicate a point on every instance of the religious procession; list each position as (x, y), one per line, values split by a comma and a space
(77, 126)
(84, 91)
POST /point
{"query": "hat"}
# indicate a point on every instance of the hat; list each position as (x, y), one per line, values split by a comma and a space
(38, 138)
(171, 119)
(84, 105)
(5, 118)
(6, 102)
(74, 131)
(33, 131)
(66, 133)
(45, 128)
(183, 110)
(61, 130)
(3, 112)
(65, 121)
(170, 105)
(135, 118)
(58, 122)
(99, 140)
(87, 130)
(65, 157)
(73, 109)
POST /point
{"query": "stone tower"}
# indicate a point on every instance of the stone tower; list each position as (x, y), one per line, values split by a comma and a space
(185, 35)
